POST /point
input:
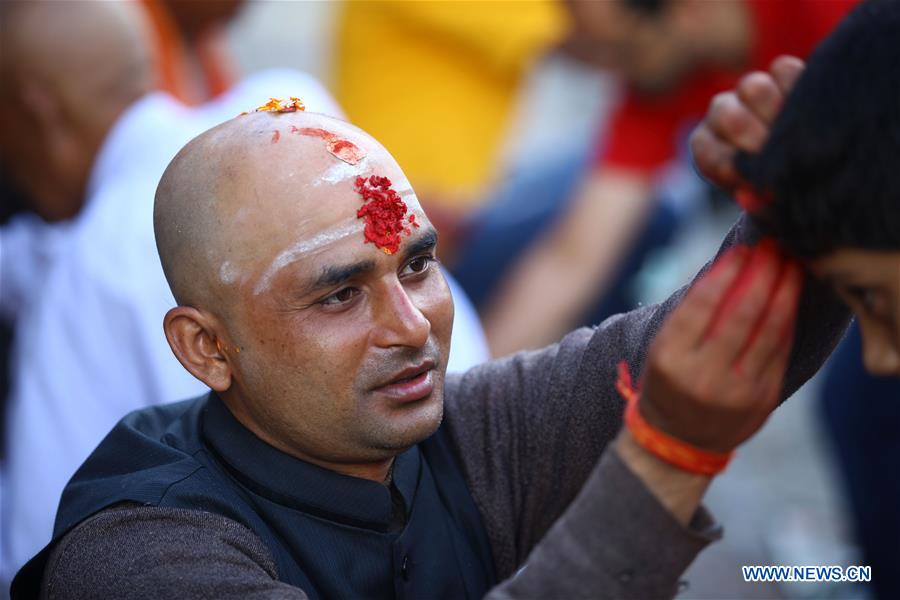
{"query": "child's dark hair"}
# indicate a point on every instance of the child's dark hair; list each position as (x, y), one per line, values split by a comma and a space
(832, 163)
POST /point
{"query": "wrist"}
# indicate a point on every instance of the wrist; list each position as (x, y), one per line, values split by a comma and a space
(669, 449)
(677, 490)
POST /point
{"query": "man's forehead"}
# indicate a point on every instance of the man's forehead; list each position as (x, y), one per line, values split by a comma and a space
(337, 235)
(297, 186)
(306, 269)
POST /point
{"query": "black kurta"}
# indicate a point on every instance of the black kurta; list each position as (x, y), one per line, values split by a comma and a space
(332, 535)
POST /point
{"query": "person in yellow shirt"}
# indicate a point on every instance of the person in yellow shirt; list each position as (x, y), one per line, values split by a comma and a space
(467, 58)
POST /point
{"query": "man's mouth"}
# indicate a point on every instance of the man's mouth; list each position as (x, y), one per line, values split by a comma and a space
(413, 383)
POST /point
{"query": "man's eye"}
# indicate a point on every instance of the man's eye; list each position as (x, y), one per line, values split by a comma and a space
(869, 301)
(865, 297)
(340, 297)
(417, 265)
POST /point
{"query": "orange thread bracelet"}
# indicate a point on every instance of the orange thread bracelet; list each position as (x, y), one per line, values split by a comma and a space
(671, 450)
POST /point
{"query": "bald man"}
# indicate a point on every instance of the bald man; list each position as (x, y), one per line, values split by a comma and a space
(85, 136)
(333, 458)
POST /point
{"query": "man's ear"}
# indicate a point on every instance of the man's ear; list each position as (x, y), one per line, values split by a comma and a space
(194, 337)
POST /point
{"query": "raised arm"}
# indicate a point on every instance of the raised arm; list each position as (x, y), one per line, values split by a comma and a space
(530, 430)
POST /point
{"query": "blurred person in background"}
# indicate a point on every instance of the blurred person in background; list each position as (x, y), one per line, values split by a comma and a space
(192, 65)
(83, 137)
(86, 136)
(675, 55)
(193, 61)
(468, 61)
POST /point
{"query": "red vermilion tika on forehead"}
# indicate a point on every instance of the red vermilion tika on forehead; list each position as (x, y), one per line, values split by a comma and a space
(384, 212)
(338, 147)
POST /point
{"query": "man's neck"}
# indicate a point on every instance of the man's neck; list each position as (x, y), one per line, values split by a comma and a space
(377, 470)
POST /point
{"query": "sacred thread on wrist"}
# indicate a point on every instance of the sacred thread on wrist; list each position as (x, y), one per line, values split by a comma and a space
(671, 450)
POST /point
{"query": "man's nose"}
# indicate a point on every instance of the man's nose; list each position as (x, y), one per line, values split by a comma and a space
(399, 322)
(881, 357)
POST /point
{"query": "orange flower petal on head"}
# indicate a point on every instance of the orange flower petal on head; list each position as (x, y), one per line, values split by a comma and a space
(276, 105)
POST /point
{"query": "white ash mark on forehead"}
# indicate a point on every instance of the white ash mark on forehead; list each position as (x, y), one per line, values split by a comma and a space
(303, 247)
(228, 273)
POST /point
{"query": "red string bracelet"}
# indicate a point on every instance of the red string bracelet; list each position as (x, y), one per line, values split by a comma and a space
(679, 454)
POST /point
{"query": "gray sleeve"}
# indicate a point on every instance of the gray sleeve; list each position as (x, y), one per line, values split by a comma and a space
(529, 430)
(614, 541)
(148, 552)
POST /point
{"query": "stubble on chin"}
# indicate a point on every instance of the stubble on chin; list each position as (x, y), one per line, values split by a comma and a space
(403, 432)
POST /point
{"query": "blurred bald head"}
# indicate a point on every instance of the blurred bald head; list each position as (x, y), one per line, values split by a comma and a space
(258, 191)
(68, 70)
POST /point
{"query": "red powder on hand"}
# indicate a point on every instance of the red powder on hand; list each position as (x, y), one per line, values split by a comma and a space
(384, 212)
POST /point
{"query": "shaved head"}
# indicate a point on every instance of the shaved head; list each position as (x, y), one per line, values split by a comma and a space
(89, 51)
(68, 69)
(323, 341)
(236, 198)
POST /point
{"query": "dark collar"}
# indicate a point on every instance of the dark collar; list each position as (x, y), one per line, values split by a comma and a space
(292, 482)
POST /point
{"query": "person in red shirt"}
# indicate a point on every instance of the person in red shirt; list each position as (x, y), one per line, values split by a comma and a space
(675, 56)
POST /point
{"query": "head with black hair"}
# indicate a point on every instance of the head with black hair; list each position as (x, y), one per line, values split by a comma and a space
(831, 172)
(656, 44)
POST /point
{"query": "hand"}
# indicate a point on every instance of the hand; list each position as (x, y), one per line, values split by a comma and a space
(716, 369)
(741, 119)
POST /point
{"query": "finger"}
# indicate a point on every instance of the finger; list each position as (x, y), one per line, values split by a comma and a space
(713, 157)
(786, 70)
(773, 378)
(739, 313)
(777, 325)
(731, 300)
(688, 322)
(735, 124)
(760, 93)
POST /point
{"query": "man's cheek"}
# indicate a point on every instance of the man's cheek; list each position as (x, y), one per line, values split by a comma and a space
(438, 309)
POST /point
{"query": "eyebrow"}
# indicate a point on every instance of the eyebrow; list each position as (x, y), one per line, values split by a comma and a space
(334, 275)
(426, 241)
